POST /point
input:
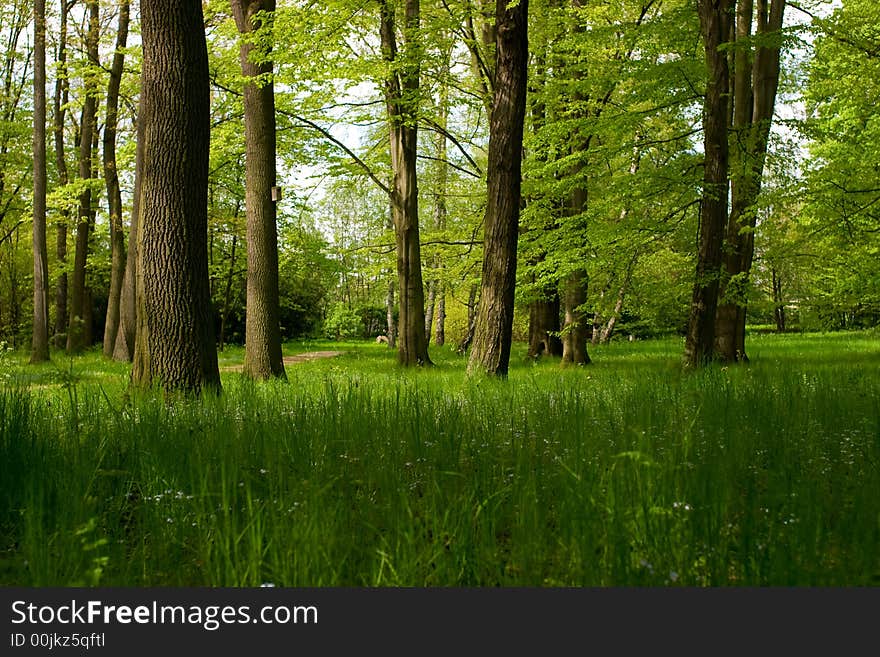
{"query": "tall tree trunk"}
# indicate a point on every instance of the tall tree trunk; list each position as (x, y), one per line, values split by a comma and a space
(76, 323)
(40, 344)
(544, 326)
(490, 352)
(429, 309)
(700, 339)
(401, 96)
(174, 345)
(59, 108)
(389, 314)
(756, 81)
(778, 302)
(576, 327)
(545, 305)
(111, 178)
(440, 330)
(263, 358)
(125, 335)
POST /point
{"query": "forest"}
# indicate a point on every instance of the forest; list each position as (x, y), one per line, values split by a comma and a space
(439, 292)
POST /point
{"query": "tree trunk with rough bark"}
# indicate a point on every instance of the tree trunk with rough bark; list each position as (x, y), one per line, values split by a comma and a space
(40, 343)
(430, 302)
(389, 315)
(401, 97)
(440, 327)
(576, 326)
(778, 302)
(490, 352)
(174, 346)
(700, 338)
(59, 109)
(756, 81)
(263, 358)
(111, 178)
(544, 326)
(123, 349)
(76, 338)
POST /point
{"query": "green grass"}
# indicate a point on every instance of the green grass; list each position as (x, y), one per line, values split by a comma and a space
(355, 472)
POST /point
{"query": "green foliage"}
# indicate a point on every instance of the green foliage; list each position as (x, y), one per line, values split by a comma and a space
(613, 119)
(306, 275)
(342, 322)
(840, 213)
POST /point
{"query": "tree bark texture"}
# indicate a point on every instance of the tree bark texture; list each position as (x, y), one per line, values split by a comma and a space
(544, 326)
(76, 327)
(778, 302)
(756, 81)
(402, 99)
(111, 179)
(59, 110)
(490, 352)
(263, 358)
(576, 326)
(125, 335)
(700, 339)
(174, 346)
(389, 315)
(429, 309)
(440, 326)
(40, 343)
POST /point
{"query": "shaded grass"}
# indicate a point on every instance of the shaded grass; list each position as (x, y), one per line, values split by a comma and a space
(355, 472)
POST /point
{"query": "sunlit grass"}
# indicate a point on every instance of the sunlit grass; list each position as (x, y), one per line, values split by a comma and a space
(355, 472)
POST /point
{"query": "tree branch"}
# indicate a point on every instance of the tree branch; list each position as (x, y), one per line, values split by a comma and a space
(306, 123)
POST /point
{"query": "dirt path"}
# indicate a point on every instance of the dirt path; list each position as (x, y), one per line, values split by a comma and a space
(311, 355)
(292, 360)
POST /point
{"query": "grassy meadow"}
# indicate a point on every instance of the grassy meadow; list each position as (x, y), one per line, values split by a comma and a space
(628, 472)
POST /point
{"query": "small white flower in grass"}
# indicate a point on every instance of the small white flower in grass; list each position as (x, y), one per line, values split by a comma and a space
(169, 520)
(263, 471)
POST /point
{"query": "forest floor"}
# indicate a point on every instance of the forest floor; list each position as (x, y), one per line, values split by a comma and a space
(294, 359)
(355, 472)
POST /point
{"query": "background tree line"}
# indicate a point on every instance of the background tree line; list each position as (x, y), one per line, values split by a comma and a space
(667, 183)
